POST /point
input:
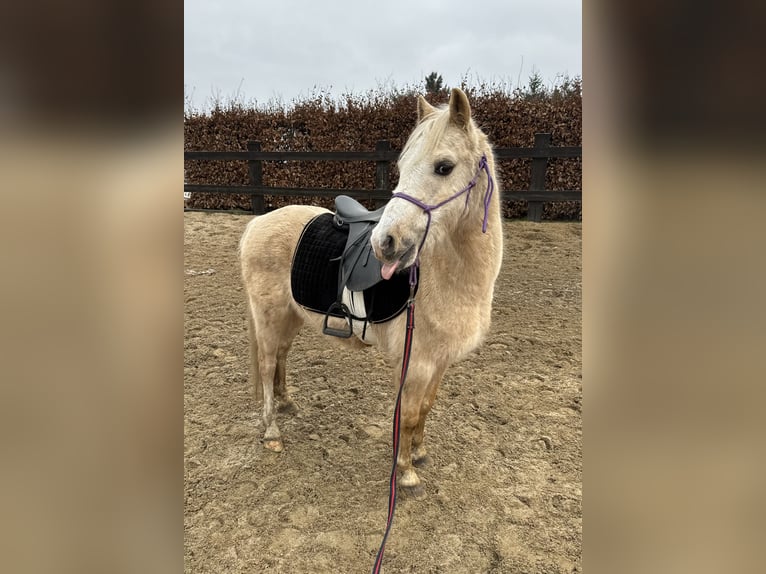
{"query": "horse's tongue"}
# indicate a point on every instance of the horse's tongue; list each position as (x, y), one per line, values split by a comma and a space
(388, 269)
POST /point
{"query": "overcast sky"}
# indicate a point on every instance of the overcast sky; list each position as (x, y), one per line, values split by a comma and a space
(266, 49)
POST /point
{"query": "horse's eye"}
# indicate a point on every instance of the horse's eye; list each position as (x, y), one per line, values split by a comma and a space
(443, 168)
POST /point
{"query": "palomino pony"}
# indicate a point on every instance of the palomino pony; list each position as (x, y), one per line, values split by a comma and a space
(432, 220)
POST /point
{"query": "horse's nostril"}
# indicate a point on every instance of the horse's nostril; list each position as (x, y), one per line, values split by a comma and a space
(387, 245)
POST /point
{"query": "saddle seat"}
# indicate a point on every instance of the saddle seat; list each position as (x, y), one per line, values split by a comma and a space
(349, 210)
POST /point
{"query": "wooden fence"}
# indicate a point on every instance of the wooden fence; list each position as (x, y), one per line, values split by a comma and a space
(383, 155)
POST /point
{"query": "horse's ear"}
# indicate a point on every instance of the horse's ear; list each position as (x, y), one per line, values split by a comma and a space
(459, 108)
(424, 109)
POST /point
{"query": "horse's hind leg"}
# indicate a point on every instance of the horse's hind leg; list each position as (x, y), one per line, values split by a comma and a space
(265, 252)
(286, 403)
(267, 362)
(255, 377)
(274, 330)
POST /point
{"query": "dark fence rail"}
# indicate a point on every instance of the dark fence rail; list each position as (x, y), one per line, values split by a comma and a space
(383, 155)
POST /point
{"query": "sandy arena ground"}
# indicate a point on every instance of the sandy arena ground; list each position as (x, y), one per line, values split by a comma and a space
(504, 489)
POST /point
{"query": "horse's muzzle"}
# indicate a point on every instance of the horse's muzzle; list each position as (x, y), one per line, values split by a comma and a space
(394, 260)
(390, 250)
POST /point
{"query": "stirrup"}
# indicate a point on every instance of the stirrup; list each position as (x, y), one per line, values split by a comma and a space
(342, 333)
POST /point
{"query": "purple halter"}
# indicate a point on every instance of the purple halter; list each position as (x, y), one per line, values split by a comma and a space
(429, 208)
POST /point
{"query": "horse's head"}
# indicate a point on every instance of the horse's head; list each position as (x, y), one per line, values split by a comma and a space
(441, 157)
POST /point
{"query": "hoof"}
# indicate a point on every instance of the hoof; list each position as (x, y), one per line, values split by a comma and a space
(417, 491)
(423, 461)
(274, 445)
(288, 407)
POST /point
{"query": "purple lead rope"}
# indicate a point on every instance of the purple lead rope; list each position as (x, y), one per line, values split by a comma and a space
(397, 416)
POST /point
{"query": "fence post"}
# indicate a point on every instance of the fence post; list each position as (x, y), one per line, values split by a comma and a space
(255, 167)
(539, 167)
(382, 171)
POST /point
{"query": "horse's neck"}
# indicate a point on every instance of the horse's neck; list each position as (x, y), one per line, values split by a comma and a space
(465, 261)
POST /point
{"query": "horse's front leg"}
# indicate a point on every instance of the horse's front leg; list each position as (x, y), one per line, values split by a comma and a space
(414, 396)
(409, 481)
(420, 457)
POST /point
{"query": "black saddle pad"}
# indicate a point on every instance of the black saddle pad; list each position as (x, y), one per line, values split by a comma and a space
(314, 275)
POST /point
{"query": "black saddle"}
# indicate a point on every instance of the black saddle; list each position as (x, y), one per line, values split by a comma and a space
(334, 256)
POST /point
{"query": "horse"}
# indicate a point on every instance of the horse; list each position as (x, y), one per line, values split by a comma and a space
(457, 246)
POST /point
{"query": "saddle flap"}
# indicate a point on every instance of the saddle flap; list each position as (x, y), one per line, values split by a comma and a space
(360, 268)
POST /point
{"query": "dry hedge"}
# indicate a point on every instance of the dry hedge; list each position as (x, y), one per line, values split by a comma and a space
(321, 124)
